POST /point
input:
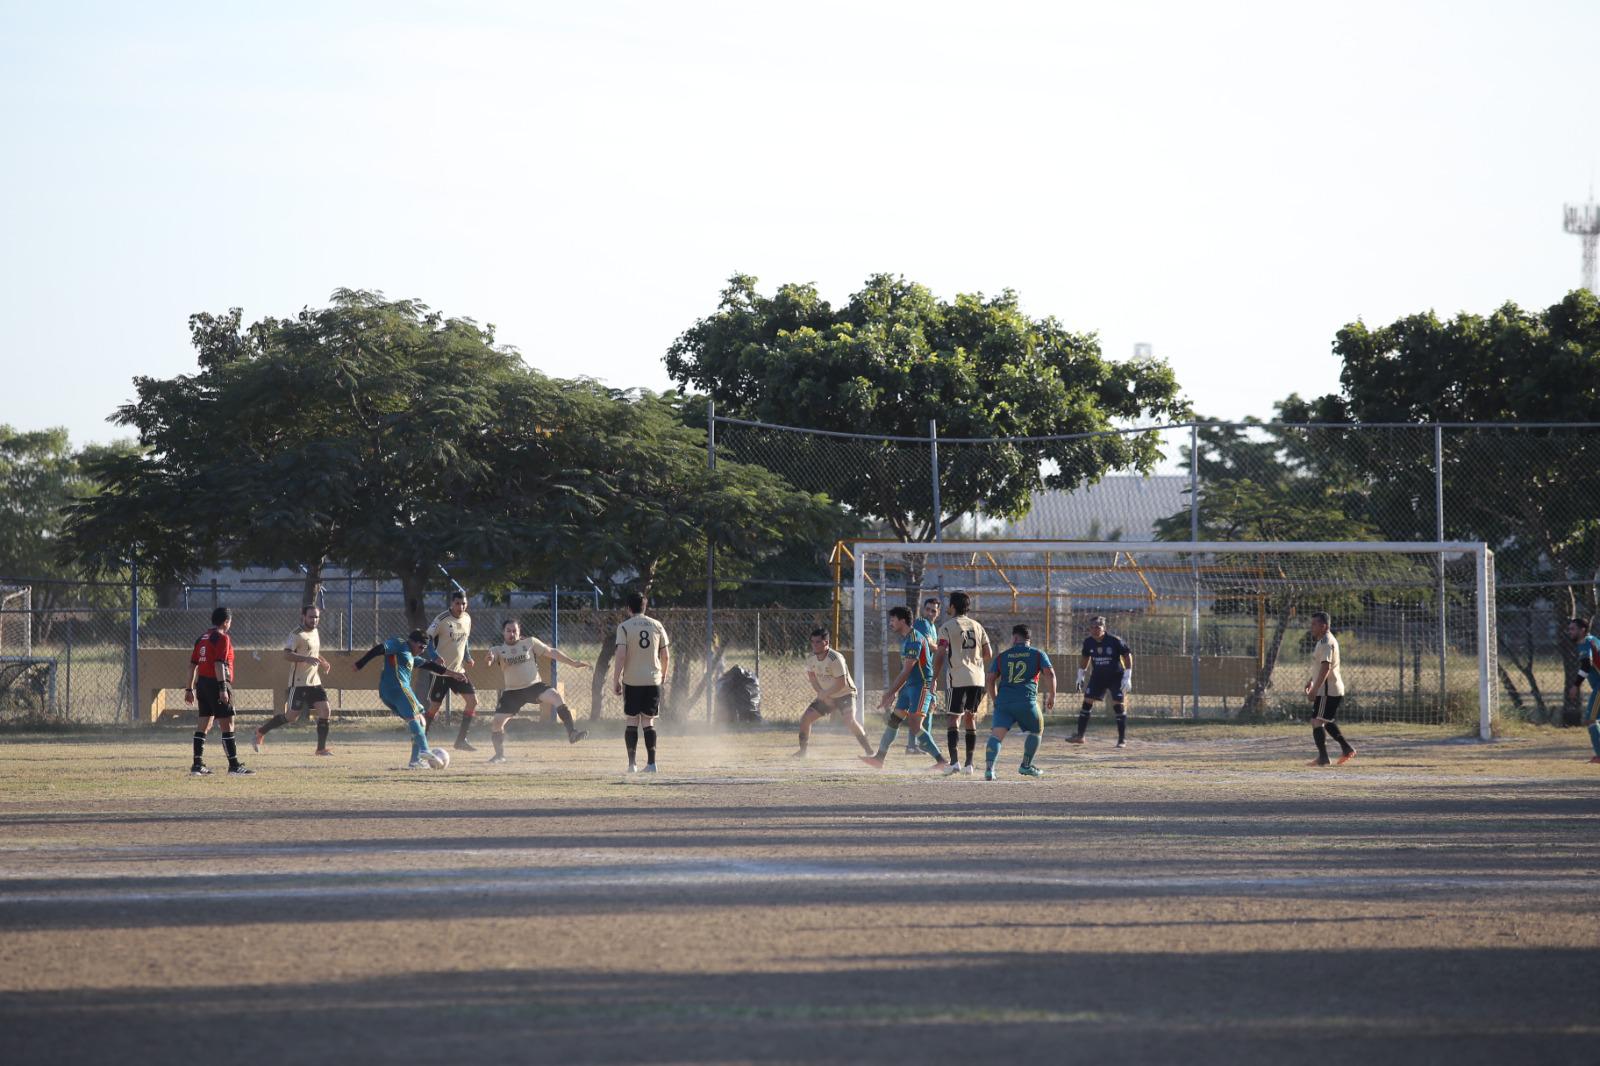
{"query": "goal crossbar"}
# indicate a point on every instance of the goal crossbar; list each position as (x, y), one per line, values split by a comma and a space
(1482, 568)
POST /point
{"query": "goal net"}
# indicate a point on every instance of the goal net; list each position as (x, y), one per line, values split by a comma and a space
(1218, 630)
(16, 620)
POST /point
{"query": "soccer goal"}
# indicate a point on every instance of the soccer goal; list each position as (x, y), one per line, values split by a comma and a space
(1218, 630)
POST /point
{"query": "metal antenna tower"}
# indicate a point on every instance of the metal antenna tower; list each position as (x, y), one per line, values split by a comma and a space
(1584, 220)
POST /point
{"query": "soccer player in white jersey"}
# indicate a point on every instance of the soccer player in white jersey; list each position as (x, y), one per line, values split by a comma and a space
(642, 664)
(303, 651)
(450, 633)
(1325, 690)
(836, 691)
(519, 659)
(965, 653)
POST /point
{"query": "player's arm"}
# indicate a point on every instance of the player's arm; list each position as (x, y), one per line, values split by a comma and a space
(1322, 675)
(1047, 681)
(899, 682)
(992, 679)
(815, 685)
(665, 657)
(566, 660)
(988, 653)
(372, 653)
(223, 668)
(434, 666)
(1127, 669)
(194, 672)
(1083, 673)
(941, 656)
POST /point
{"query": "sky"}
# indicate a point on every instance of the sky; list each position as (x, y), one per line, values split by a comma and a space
(1227, 182)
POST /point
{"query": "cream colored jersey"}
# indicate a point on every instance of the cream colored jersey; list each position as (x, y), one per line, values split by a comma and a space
(964, 639)
(450, 636)
(519, 662)
(643, 638)
(1327, 651)
(302, 643)
(827, 670)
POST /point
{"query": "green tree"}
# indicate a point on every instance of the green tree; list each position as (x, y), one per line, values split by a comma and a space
(40, 476)
(894, 357)
(1529, 493)
(365, 432)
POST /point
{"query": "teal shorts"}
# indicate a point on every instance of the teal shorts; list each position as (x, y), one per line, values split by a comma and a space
(1026, 719)
(912, 699)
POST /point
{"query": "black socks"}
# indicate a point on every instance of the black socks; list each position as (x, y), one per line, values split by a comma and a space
(274, 722)
(1122, 725)
(230, 748)
(466, 724)
(650, 744)
(630, 737)
(953, 735)
(564, 713)
(199, 747)
(972, 742)
(322, 734)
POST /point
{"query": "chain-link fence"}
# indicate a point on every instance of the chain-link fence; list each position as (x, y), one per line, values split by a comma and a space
(1528, 491)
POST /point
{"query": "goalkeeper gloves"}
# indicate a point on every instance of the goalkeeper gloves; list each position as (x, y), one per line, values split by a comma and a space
(1083, 676)
(1127, 681)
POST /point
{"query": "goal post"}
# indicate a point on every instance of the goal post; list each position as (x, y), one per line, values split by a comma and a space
(1217, 628)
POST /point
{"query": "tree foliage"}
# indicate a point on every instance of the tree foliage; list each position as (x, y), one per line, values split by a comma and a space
(895, 356)
(393, 440)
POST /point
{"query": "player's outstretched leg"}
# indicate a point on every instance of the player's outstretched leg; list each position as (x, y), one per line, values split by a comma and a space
(1083, 722)
(260, 739)
(497, 735)
(924, 738)
(574, 734)
(889, 733)
(1346, 751)
(1030, 748)
(991, 753)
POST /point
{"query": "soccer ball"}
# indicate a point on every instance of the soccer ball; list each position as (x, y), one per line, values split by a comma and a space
(439, 758)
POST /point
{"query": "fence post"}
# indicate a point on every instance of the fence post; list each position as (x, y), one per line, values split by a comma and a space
(555, 630)
(1438, 534)
(711, 557)
(349, 612)
(1194, 563)
(758, 643)
(133, 642)
(933, 455)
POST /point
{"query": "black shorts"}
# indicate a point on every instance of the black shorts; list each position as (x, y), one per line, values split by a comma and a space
(513, 700)
(1327, 707)
(641, 700)
(208, 698)
(442, 684)
(307, 696)
(964, 698)
(846, 704)
(1101, 684)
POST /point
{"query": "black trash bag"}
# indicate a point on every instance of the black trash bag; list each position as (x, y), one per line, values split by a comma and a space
(738, 697)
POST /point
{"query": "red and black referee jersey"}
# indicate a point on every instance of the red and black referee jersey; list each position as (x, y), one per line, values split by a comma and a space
(214, 646)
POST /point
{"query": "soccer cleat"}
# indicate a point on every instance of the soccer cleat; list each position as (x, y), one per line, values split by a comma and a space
(1122, 743)
(800, 754)
(952, 770)
(322, 751)
(649, 767)
(1595, 759)
(497, 758)
(199, 771)
(632, 769)
(872, 761)
(1030, 770)
(462, 745)
(417, 764)
(574, 737)
(1318, 762)
(967, 769)
(988, 775)
(258, 741)
(1073, 740)
(240, 768)
(938, 764)
(1346, 757)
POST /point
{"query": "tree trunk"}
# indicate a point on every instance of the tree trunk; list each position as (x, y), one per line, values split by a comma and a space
(602, 667)
(413, 586)
(311, 589)
(1255, 704)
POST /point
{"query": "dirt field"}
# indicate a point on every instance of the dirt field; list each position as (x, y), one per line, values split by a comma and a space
(1201, 898)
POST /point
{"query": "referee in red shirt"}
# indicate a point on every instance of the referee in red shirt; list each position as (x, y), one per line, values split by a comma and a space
(211, 685)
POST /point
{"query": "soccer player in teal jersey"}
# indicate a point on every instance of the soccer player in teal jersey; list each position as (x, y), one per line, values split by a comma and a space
(400, 657)
(1588, 649)
(911, 693)
(926, 623)
(1014, 694)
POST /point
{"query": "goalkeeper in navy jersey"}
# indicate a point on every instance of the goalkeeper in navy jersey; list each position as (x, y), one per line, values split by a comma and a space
(1105, 670)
